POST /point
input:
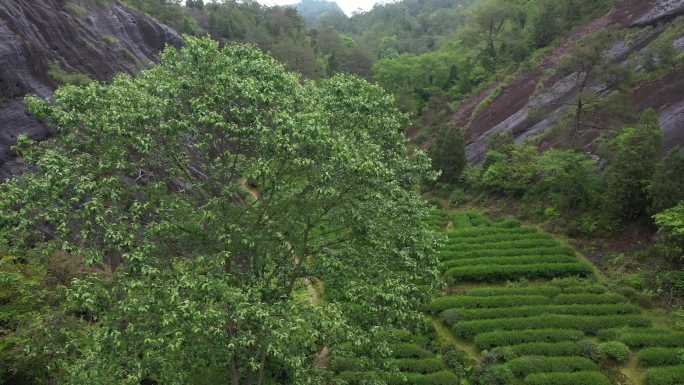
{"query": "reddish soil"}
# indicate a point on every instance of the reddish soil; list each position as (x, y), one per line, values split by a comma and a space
(660, 93)
(466, 109)
(516, 95)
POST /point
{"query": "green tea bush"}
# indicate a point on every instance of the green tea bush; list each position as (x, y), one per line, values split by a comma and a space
(517, 244)
(517, 337)
(461, 221)
(524, 366)
(478, 232)
(461, 301)
(342, 364)
(480, 220)
(420, 365)
(438, 378)
(549, 291)
(614, 350)
(499, 273)
(588, 324)
(507, 224)
(519, 260)
(667, 375)
(661, 356)
(579, 378)
(457, 253)
(409, 350)
(589, 299)
(617, 333)
(551, 349)
(642, 340)
(497, 238)
(451, 316)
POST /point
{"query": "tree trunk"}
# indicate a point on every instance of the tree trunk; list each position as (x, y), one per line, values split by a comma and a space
(578, 122)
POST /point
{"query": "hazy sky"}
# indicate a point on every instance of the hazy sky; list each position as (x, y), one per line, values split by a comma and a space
(348, 6)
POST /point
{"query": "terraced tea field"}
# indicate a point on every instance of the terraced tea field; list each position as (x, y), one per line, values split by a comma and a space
(558, 326)
(520, 308)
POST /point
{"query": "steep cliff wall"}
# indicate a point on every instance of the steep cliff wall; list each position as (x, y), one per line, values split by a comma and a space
(41, 39)
(519, 98)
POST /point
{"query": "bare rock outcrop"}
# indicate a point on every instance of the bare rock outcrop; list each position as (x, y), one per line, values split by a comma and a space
(532, 103)
(73, 37)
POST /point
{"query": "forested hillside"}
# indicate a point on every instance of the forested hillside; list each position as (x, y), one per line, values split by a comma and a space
(432, 192)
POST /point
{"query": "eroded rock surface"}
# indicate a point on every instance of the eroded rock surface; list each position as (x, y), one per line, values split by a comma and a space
(532, 104)
(98, 42)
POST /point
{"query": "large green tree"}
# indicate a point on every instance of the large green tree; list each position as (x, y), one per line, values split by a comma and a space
(633, 156)
(207, 193)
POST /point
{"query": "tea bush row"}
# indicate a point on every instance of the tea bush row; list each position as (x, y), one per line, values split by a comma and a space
(578, 378)
(517, 337)
(517, 260)
(499, 273)
(524, 366)
(661, 356)
(458, 253)
(587, 324)
(451, 316)
(667, 375)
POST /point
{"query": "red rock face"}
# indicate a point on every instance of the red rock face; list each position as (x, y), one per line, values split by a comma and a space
(510, 110)
(98, 43)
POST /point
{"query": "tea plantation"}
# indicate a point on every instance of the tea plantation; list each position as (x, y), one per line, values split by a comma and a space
(521, 308)
(537, 314)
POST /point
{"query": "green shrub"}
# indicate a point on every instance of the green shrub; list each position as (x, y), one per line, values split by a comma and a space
(616, 333)
(549, 291)
(614, 350)
(511, 272)
(75, 9)
(494, 375)
(110, 40)
(668, 375)
(456, 301)
(480, 220)
(517, 337)
(589, 299)
(551, 349)
(579, 378)
(409, 350)
(641, 340)
(468, 231)
(65, 78)
(461, 221)
(588, 324)
(497, 238)
(661, 356)
(342, 364)
(420, 365)
(515, 244)
(519, 260)
(555, 250)
(524, 366)
(451, 316)
(508, 224)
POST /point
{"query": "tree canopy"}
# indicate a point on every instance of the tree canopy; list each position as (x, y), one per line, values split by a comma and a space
(205, 193)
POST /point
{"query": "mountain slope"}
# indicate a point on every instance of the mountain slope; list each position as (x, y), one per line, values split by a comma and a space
(515, 104)
(44, 43)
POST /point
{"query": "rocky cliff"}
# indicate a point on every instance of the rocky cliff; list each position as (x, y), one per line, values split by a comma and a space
(47, 42)
(532, 103)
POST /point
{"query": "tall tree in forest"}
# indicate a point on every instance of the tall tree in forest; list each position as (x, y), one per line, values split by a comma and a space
(205, 193)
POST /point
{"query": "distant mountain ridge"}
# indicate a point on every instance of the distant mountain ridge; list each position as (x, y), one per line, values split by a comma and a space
(313, 10)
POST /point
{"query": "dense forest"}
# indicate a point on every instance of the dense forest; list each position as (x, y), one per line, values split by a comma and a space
(292, 195)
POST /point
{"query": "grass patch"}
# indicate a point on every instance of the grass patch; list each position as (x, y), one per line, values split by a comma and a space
(62, 77)
(75, 10)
